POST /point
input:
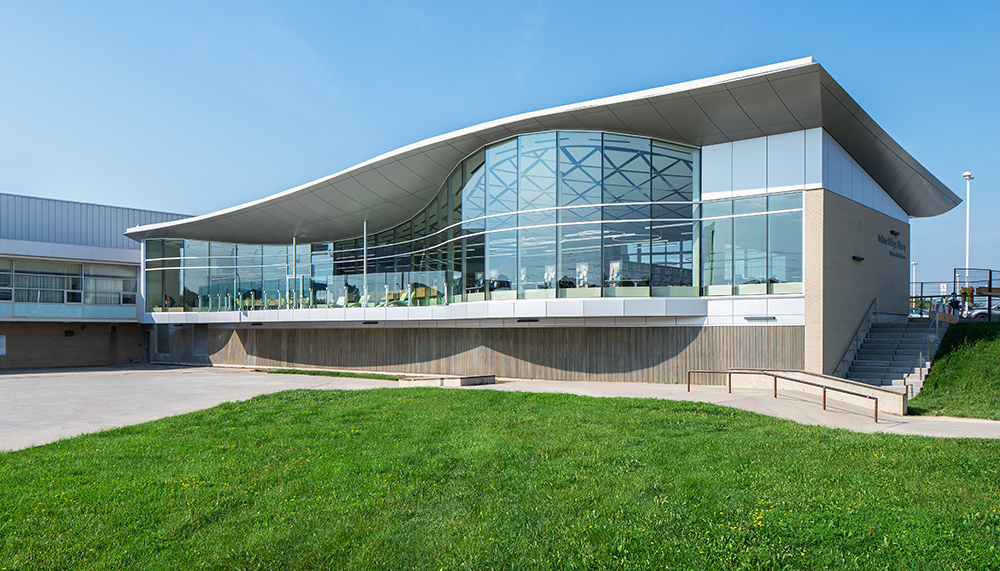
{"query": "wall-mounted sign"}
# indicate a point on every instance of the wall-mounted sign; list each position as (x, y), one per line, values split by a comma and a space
(897, 248)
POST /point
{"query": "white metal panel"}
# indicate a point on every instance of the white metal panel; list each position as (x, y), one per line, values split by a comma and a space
(696, 113)
(786, 158)
(750, 164)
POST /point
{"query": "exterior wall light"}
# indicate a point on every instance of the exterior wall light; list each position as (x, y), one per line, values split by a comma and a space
(857, 258)
(894, 232)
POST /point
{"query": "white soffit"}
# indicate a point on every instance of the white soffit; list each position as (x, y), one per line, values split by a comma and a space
(779, 98)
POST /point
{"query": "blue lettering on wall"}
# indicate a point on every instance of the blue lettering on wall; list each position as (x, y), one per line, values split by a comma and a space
(895, 245)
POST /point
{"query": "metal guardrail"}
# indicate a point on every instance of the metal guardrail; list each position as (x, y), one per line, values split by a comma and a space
(925, 345)
(776, 376)
(858, 338)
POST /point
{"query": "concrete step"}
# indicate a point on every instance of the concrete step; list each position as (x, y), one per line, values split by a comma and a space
(871, 363)
(863, 370)
(888, 351)
(870, 376)
(891, 369)
(894, 340)
(876, 382)
(886, 354)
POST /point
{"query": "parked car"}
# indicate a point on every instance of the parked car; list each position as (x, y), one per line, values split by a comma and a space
(981, 313)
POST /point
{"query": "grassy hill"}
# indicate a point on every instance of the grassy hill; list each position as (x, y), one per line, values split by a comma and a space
(965, 377)
(448, 479)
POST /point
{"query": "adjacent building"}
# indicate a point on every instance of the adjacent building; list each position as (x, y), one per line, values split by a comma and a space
(747, 220)
(69, 283)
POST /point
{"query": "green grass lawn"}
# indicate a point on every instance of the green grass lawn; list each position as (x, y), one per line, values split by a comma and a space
(450, 479)
(965, 377)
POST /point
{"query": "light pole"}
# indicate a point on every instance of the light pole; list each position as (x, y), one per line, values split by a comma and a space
(913, 278)
(968, 189)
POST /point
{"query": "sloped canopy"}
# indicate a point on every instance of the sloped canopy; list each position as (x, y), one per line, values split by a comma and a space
(390, 188)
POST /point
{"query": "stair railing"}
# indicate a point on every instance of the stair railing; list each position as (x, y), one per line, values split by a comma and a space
(925, 344)
(860, 333)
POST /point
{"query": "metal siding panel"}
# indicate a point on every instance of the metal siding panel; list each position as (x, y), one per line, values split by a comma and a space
(56, 217)
(88, 223)
(4, 216)
(7, 217)
(116, 228)
(80, 212)
(110, 235)
(19, 221)
(26, 221)
(39, 227)
(73, 229)
(93, 225)
(97, 222)
(102, 232)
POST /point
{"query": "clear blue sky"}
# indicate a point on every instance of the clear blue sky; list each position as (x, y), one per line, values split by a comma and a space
(196, 106)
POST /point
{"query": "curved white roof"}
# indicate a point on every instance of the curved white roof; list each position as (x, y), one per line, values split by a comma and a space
(390, 188)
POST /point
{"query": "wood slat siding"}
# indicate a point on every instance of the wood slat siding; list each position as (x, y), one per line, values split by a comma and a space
(637, 354)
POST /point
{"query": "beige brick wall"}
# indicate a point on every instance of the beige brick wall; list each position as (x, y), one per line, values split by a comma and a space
(43, 345)
(838, 288)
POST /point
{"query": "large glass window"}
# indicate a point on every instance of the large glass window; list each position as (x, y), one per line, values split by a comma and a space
(753, 245)
(537, 201)
(250, 275)
(195, 275)
(784, 240)
(579, 233)
(674, 188)
(473, 227)
(6, 279)
(501, 237)
(626, 178)
(50, 282)
(750, 254)
(556, 214)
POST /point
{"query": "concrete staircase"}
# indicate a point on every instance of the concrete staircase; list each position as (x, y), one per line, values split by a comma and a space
(890, 352)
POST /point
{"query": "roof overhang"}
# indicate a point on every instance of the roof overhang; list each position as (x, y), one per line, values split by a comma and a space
(390, 188)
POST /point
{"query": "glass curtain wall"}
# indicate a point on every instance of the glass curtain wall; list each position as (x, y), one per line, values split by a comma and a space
(753, 245)
(556, 214)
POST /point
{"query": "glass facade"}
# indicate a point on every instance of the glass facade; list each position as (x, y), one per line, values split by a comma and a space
(547, 215)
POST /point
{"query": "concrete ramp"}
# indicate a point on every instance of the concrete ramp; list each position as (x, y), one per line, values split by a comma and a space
(891, 400)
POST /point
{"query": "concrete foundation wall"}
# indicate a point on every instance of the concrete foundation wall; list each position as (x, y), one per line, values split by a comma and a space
(641, 354)
(42, 345)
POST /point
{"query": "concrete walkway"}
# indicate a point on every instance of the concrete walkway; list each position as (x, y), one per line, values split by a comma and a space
(42, 406)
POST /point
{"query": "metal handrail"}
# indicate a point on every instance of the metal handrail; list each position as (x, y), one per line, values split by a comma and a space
(857, 339)
(775, 376)
(926, 343)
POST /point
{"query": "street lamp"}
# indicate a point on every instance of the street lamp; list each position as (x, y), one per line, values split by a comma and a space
(913, 278)
(968, 189)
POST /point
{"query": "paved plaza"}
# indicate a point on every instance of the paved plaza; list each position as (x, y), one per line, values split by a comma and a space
(37, 407)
